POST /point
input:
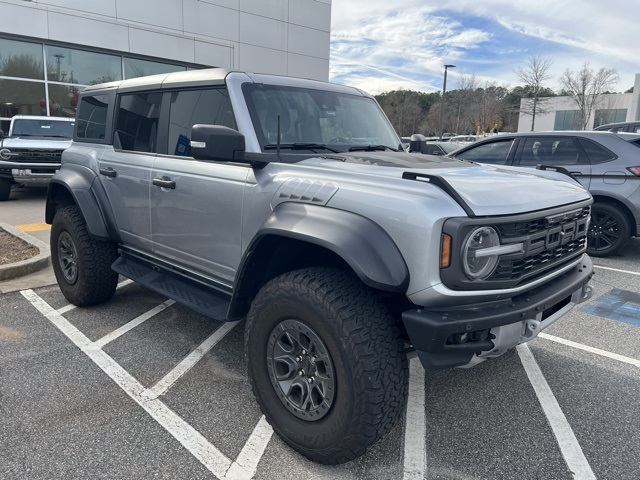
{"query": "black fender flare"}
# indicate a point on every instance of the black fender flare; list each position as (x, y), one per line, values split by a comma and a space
(85, 189)
(361, 243)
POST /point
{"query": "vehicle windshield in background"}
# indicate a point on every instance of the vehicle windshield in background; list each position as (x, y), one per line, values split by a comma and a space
(42, 128)
(317, 119)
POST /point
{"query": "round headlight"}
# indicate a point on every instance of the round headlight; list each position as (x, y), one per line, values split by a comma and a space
(478, 263)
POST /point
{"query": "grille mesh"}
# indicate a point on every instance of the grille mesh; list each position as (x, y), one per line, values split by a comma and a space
(544, 244)
(36, 156)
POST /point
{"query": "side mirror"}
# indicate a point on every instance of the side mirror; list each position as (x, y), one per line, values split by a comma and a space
(216, 142)
(2, 135)
(418, 143)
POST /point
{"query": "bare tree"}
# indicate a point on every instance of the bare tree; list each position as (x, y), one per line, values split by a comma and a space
(587, 87)
(534, 77)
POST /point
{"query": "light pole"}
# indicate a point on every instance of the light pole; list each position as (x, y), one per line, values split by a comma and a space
(444, 89)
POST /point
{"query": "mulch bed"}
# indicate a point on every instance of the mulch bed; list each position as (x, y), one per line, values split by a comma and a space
(14, 249)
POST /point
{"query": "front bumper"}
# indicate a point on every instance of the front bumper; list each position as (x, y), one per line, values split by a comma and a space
(30, 174)
(464, 336)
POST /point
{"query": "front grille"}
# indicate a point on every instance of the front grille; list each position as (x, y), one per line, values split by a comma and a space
(510, 270)
(518, 229)
(547, 241)
(29, 155)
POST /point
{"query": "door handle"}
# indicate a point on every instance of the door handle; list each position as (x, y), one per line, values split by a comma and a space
(108, 172)
(576, 174)
(164, 182)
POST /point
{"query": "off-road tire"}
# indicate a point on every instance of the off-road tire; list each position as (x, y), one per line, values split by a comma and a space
(5, 189)
(82, 264)
(364, 349)
(609, 230)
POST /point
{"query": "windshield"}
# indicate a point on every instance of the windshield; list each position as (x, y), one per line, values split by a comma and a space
(316, 119)
(42, 128)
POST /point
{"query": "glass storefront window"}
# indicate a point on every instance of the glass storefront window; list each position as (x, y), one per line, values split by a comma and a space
(21, 59)
(614, 115)
(21, 97)
(63, 100)
(134, 68)
(68, 65)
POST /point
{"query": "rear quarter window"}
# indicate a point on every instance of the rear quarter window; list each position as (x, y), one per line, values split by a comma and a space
(91, 123)
(596, 152)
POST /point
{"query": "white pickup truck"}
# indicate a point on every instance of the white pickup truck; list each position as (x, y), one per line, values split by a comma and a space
(30, 153)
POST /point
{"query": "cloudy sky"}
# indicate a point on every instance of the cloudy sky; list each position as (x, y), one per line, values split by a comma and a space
(383, 45)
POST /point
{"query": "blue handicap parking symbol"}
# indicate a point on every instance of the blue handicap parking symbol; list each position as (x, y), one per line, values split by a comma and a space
(621, 305)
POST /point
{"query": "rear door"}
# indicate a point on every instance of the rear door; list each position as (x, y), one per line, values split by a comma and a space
(125, 168)
(556, 151)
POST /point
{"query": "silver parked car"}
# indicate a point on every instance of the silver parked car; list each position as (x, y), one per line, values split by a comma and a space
(289, 202)
(606, 163)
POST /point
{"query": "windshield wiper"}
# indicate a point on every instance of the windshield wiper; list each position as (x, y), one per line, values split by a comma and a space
(301, 146)
(372, 148)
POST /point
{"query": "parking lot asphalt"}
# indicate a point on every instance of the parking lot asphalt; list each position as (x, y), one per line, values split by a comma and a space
(141, 387)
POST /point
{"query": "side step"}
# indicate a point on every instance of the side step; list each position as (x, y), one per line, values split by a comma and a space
(195, 296)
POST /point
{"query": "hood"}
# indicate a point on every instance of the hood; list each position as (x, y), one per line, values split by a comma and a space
(36, 143)
(481, 189)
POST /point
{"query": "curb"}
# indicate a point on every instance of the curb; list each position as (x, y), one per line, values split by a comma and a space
(30, 265)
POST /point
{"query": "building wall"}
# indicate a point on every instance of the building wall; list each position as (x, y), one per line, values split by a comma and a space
(287, 37)
(547, 121)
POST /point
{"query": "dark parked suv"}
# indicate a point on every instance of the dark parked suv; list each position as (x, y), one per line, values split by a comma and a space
(633, 127)
(606, 163)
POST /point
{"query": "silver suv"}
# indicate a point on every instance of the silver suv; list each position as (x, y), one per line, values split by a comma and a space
(290, 203)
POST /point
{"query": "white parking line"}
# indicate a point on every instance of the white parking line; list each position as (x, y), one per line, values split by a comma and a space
(415, 450)
(247, 463)
(133, 324)
(567, 441)
(189, 361)
(617, 270)
(68, 308)
(204, 451)
(587, 348)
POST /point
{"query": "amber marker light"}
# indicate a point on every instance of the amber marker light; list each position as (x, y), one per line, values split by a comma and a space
(445, 251)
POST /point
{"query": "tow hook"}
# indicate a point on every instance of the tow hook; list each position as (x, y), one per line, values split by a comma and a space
(531, 330)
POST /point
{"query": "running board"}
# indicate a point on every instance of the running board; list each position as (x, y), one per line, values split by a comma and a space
(198, 298)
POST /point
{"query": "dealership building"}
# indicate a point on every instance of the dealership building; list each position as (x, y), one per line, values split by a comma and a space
(51, 49)
(562, 113)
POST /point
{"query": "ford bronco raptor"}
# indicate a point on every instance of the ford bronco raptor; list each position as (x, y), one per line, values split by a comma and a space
(291, 204)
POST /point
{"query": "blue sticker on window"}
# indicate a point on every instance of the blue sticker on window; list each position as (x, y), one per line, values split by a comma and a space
(621, 305)
(182, 146)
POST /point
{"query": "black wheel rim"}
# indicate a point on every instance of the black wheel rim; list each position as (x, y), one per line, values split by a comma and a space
(301, 370)
(67, 258)
(603, 231)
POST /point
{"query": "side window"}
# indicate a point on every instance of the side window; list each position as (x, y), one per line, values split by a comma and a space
(552, 151)
(92, 117)
(537, 150)
(494, 152)
(137, 122)
(596, 152)
(192, 107)
(565, 152)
